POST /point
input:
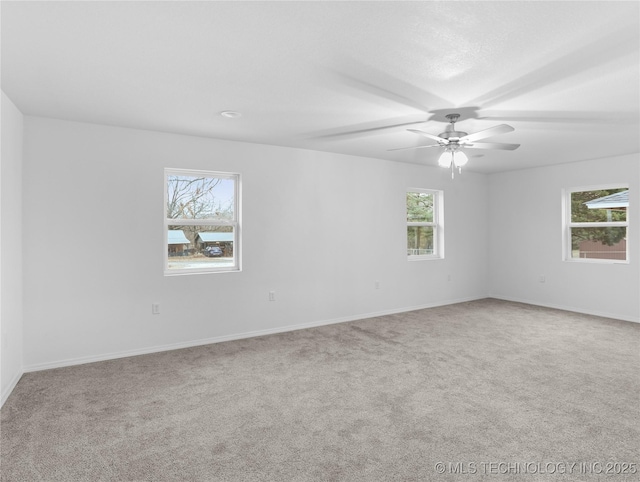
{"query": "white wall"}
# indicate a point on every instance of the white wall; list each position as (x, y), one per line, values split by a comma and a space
(319, 229)
(10, 248)
(526, 240)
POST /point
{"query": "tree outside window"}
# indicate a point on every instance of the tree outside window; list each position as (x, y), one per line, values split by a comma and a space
(201, 221)
(598, 223)
(423, 223)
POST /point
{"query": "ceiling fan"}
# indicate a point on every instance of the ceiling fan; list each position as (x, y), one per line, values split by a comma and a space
(454, 141)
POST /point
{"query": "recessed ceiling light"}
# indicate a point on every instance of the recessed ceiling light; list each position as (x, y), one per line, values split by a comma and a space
(230, 114)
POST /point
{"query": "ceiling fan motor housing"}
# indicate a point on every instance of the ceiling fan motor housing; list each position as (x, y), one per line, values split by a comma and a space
(450, 132)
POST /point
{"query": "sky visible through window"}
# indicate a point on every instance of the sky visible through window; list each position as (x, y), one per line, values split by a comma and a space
(190, 197)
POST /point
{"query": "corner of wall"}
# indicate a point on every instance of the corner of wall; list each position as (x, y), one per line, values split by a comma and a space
(525, 254)
(11, 300)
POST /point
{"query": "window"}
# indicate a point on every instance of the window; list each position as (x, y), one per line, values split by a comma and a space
(596, 223)
(202, 228)
(425, 235)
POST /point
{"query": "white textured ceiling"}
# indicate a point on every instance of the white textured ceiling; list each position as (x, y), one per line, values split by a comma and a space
(346, 77)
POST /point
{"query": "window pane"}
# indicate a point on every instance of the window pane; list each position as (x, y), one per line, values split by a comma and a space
(599, 243)
(196, 247)
(419, 240)
(603, 205)
(419, 207)
(191, 197)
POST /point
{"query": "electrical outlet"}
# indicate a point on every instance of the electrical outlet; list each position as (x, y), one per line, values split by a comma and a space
(155, 308)
(377, 284)
(272, 295)
(542, 279)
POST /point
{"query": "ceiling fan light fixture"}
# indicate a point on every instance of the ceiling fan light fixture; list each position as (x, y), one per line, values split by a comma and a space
(445, 159)
(453, 140)
(455, 157)
(459, 158)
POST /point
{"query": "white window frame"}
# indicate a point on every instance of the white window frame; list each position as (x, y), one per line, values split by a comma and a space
(437, 224)
(567, 225)
(235, 222)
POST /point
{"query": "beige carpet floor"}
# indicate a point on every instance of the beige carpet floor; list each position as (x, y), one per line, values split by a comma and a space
(485, 390)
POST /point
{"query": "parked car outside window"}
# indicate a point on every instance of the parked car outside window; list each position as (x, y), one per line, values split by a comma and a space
(212, 251)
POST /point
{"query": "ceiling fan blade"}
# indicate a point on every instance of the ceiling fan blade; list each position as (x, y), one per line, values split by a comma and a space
(384, 93)
(492, 145)
(491, 131)
(414, 147)
(622, 42)
(372, 81)
(566, 117)
(441, 140)
(363, 131)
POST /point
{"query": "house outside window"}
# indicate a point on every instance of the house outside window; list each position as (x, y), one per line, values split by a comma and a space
(177, 242)
(425, 227)
(596, 224)
(202, 222)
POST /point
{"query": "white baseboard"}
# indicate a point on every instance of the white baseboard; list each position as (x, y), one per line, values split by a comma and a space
(7, 391)
(603, 314)
(235, 336)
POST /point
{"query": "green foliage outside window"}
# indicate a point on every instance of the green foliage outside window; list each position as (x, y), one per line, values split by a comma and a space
(420, 210)
(580, 213)
(419, 207)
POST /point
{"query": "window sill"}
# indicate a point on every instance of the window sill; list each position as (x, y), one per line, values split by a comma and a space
(596, 261)
(423, 258)
(175, 272)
